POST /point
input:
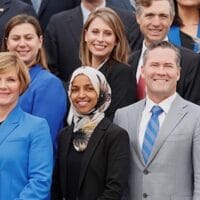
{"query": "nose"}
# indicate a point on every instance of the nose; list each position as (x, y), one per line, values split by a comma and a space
(22, 42)
(156, 21)
(100, 37)
(161, 71)
(81, 93)
(3, 84)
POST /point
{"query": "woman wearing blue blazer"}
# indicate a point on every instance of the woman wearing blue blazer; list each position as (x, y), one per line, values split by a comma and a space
(26, 153)
(46, 96)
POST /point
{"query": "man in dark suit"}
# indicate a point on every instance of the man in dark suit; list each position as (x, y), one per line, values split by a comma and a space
(63, 33)
(122, 4)
(51, 7)
(10, 8)
(154, 24)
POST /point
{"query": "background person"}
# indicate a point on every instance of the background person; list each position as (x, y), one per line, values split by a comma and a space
(10, 8)
(48, 8)
(93, 152)
(185, 30)
(155, 18)
(26, 153)
(104, 47)
(46, 95)
(63, 45)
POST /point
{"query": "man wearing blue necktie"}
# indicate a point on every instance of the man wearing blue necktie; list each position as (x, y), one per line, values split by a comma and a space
(164, 131)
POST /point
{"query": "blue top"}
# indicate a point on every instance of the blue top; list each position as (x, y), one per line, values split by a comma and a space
(26, 157)
(46, 97)
(174, 37)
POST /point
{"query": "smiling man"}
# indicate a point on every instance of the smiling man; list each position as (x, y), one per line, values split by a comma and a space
(164, 131)
(155, 18)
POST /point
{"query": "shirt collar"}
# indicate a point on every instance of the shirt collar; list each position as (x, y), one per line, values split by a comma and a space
(165, 104)
(87, 12)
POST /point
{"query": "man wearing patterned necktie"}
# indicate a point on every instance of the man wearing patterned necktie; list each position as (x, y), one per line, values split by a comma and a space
(164, 131)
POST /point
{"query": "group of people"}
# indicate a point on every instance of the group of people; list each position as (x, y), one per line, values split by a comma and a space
(127, 103)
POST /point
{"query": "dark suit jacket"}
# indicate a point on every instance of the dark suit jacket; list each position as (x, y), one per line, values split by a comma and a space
(10, 8)
(122, 4)
(105, 164)
(63, 34)
(51, 7)
(122, 81)
(189, 84)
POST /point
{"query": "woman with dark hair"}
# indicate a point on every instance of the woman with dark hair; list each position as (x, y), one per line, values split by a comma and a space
(185, 30)
(46, 95)
(93, 154)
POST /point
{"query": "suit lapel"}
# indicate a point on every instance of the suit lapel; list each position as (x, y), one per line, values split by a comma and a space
(4, 5)
(173, 118)
(11, 123)
(64, 147)
(42, 7)
(92, 145)
(136, 144)
(75, 24)
(134, 59)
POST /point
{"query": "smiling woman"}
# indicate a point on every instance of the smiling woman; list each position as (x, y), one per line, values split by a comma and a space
(96, 151)
(23, 35)
(104, 46)
(26, 153)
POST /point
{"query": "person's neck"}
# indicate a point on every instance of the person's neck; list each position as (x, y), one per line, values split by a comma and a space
(189, 16)
(92, 5)
(96, 62)
(4, 111)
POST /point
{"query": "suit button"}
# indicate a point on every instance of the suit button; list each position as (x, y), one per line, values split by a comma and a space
(145, 195)
(145, 171)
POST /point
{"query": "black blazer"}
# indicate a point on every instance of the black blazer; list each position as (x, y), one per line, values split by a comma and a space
(189, 84)
(10, 8)
(51, 7)
(105, 164)
(122, 81)
(63, 34)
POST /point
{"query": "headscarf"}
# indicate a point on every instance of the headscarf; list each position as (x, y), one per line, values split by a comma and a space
(86, 123)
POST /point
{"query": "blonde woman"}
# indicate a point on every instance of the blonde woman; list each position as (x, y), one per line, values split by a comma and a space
(104, 47)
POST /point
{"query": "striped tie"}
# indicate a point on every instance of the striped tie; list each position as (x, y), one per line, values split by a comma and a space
(151, 132)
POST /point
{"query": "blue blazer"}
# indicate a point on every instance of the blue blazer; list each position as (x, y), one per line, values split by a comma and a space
(26, 157)
(174, 37)
(46, 97)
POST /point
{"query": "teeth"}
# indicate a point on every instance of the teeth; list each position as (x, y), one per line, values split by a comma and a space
(82, 103)
(99, 46)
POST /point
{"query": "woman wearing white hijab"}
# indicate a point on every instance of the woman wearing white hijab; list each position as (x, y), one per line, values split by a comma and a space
(93, 154)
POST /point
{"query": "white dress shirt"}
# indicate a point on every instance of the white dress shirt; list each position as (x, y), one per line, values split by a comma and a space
(87, 12)
(146, 115)
(36, 5)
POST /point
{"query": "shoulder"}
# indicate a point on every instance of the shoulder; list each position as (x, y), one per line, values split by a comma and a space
(130, 108)
(191, 107)
(65, 14)
(22, 7)
(189, 53)
(112, 131)
(47, 77)
(34, 121)
(118, 67)
(123, 12)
